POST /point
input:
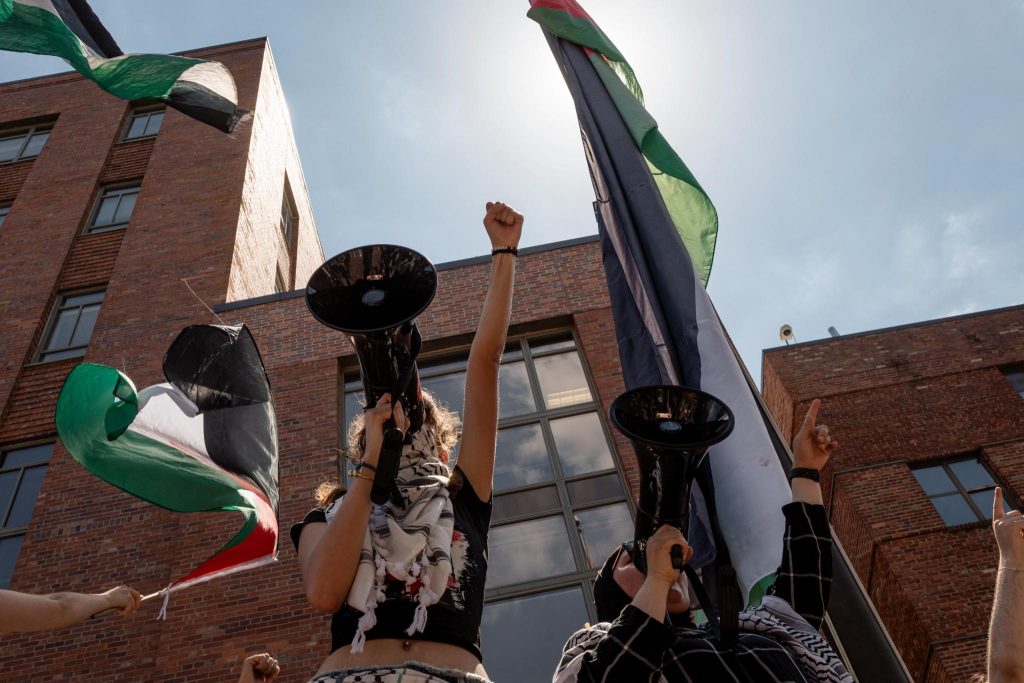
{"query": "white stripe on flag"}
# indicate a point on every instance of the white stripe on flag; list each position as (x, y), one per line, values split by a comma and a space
(750, 486)
(168, 416)
(212, 75)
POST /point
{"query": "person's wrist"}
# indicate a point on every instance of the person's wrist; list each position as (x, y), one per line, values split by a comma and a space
(659, 581)
(799, 464)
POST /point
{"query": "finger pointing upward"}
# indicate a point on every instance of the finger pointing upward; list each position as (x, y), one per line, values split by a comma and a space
(997, 504)
(812, 416)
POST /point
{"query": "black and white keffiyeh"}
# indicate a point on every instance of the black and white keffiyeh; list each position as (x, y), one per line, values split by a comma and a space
(408, 542)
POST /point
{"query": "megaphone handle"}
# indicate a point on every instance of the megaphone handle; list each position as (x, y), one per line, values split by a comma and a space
(677, 557)
(387, 464)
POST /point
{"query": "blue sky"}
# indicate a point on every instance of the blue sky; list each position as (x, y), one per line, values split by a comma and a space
(866, 159)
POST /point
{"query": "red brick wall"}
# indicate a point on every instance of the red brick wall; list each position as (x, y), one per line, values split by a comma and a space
(896, 398)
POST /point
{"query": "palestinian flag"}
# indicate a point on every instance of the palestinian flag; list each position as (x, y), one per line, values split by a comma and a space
(205, 441)
(68, 29)
(665, 324)
(692, 213)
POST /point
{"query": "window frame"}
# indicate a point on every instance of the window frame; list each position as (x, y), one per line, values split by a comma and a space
(115, 189)
(453, 360)
(13, 532)
(289, 222)
(55, 311)
(28, 132)
(5, 210)
(139, 111)
(959, 488)
(1014, 370)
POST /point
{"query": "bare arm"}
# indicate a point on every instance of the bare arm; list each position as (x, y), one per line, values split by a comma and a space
(329, 553)
(480, 421)
(26, 612)
(1006, 632)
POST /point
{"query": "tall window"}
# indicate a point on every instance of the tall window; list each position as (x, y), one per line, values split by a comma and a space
(144, 123)
(71, 326)
(1015, 376)
(24, 144)
(560, 503)
(961, 490)
(21, 476)
(4, 210)
(114, 208)
(289, 216)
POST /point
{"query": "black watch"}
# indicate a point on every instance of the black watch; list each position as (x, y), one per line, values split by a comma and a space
(806, 473)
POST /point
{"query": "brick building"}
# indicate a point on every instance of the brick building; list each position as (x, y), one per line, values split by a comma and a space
(110, 213)
(930, 417)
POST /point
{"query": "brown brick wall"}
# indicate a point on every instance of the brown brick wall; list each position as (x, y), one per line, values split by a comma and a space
(894, 399)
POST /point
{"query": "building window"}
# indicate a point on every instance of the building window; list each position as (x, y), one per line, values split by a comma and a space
(289, 216)
(279, 284)
(560, 502)
(21, 476)
(4, 210)
(1015, 376)
(144, 123)
(114, 208)
(71, 326)
(961, 490)
(24, 144)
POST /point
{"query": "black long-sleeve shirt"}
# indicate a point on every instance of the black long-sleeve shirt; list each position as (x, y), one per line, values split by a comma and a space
(636, 647)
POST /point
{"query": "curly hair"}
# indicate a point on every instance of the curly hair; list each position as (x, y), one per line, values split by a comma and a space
(447, 432)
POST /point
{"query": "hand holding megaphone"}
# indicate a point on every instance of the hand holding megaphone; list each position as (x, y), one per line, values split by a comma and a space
(667, 552)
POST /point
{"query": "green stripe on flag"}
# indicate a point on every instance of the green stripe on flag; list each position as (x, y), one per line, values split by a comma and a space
(27, 28)
(692, 212)
(95, 399)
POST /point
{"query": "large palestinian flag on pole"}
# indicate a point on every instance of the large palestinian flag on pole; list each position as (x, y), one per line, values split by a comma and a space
(68, 29)
(205, 441)
(657, 230)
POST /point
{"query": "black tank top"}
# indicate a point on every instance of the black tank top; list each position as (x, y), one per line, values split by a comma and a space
(455, 618)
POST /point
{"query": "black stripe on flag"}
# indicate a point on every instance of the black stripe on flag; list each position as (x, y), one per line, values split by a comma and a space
(80, 18)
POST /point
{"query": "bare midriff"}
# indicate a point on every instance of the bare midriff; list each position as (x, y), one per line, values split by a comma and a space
(396, 651)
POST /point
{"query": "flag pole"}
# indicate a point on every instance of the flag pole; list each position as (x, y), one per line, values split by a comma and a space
(860, 635)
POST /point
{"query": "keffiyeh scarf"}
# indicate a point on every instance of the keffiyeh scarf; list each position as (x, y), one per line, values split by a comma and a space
(777, 620)
(408, 542)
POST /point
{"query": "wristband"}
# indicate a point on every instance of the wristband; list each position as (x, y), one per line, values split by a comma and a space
(805, 473)
(505, 250)
(365, 465)
(358, 473)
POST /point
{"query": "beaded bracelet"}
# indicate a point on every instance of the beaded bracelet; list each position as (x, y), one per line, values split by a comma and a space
(505, 250)
(358, 472)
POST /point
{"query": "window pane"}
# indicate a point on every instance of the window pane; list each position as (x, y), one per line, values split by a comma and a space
(594, 489)
(442, 368)
(9, 147)
(63, 329)
(448, 390)
(547, 345)
(523, 638)
(9, 548)
(124, 208)
(3, 213)
(515, 397)
(528, 550)
(984, 499)
(35, 145)
(521, 458)
(25, 498)
(581, 444)
(8, 480)
(525, 502)
(934, 480)
(86, 323)
(105, 214)
(83, 299)
(562, 381)
(954, 510)
(61, 355)
(33, 455)
(153, 126)
(138, 127)
(971, 473)
(602, 529)
(1016, 380)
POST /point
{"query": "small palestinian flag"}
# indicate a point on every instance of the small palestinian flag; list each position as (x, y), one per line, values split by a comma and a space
(692, 212)
(206, 441)
(68, 29)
